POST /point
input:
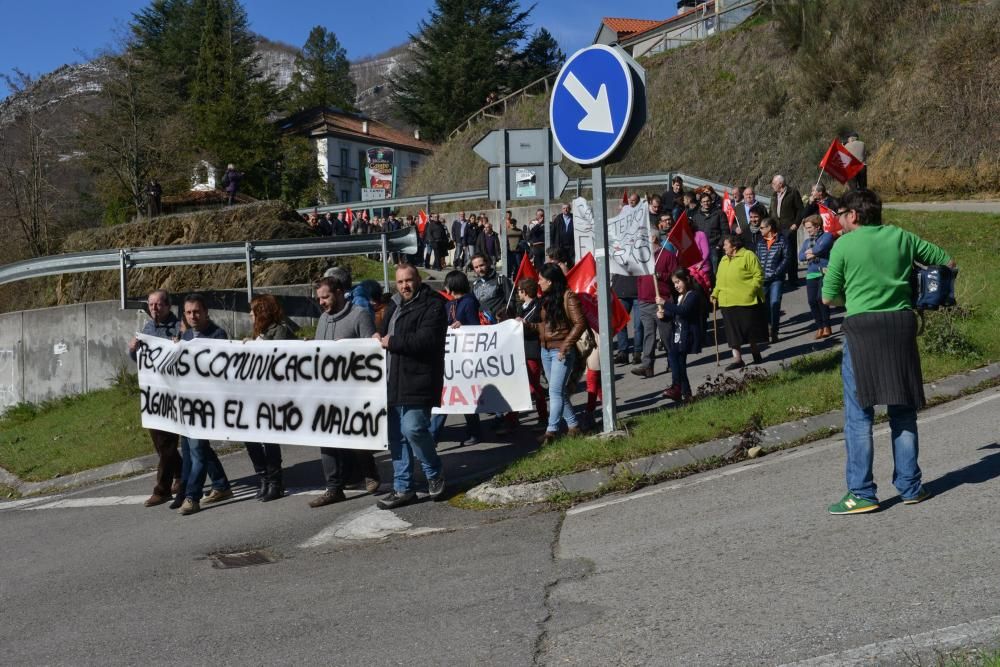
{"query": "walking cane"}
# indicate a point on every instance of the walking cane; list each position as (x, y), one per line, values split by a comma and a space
(715, 330)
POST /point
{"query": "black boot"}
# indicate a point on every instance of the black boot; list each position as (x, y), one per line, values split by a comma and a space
(261, 487)
(274, 487)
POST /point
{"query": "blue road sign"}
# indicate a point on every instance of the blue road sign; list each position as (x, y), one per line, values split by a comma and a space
(592, 104)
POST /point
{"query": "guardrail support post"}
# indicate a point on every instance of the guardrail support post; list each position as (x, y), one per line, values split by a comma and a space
(385, 262)
(249, 260)
(122, 277)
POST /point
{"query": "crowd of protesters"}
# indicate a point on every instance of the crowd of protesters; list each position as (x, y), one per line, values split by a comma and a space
(748, 256)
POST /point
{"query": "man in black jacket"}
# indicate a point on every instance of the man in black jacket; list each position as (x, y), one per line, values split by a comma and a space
(562, 233)
(786, 210)
(413, 333)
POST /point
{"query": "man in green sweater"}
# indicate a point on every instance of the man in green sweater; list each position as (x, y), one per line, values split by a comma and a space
(869, 272)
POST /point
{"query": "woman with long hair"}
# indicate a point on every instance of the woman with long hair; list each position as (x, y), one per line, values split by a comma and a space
(562, 323)
(686, 314)
(269, 323)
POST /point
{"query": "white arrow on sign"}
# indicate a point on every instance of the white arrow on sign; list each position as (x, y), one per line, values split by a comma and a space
(598, 118)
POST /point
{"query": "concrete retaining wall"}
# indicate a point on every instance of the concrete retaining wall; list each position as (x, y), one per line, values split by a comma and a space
(54, 352)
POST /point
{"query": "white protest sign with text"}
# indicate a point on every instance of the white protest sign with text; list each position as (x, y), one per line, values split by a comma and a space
(289, 392)
(583, 226)
(628, 237)
(484, 370)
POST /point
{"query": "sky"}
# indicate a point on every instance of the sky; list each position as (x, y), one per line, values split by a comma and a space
(37, 36)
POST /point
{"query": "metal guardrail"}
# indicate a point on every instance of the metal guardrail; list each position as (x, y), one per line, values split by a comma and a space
(400, 241)
(580, 184)
(121, 260)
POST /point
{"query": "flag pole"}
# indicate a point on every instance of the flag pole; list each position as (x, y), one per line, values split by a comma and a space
(820, 177)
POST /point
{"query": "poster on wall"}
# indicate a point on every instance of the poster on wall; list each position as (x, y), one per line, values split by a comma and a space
(380, 172)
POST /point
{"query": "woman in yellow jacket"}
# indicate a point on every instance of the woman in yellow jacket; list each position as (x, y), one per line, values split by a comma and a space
(739, 293)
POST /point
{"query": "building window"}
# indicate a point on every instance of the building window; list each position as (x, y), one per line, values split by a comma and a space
(345, 161)
(345, 195)
(413, 165)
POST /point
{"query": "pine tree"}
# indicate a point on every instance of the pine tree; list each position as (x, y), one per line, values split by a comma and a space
(462, 58)
(229, 102)
(540, 57)
(322, 76)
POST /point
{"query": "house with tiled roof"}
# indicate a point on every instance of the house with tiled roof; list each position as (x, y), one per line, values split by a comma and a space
(694, 21)
(343, 141)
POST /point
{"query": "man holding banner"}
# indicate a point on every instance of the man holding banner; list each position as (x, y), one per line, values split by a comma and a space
(413, 334)
(342, 319)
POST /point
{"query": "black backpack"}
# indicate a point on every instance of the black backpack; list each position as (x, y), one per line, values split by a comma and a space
(934, 288)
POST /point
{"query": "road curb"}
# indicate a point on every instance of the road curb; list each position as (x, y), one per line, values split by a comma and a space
(773, 437)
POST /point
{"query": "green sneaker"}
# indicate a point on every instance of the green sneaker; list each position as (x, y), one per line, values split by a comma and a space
(852, 504)
(919, 498)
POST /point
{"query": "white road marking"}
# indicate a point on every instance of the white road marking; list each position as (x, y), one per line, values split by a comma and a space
(963, 634)
(62, 502)
(370, 523)
(781, 458)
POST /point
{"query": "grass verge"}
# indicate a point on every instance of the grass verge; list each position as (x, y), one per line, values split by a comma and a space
(953, 342)
(67, 435)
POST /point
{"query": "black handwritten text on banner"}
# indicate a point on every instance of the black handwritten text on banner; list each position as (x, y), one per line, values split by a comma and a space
(317, 393)
(484, 370)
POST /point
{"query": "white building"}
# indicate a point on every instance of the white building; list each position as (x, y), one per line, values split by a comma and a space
(342, 141)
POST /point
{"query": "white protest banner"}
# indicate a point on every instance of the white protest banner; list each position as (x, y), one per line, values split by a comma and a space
(628, 235)
(289, 392)
(583, 227)
(484, 370)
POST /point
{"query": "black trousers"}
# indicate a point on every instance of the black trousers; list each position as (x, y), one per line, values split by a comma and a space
(346, 466)
(265, 457)
(168, 468)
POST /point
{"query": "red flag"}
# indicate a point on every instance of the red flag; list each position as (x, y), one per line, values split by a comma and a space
(625, 197)
(582, 279)
(525, 270)
(421, 221)
(727, 208)
(831, 223)
(840, 163)
(349, 216)
(681, 236)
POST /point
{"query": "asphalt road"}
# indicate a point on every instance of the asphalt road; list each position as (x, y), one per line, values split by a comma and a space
(736, 566)
(744, 565)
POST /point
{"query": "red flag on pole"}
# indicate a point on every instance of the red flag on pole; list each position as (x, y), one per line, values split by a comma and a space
(421, 221)
(525, 270)
(625, 197)
(727, 208)
(840, 163)
(349, 216)
(681, 236)
(831, 223)
(582, 279)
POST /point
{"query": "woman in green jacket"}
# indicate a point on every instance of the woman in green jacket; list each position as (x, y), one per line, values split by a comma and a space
(269, 323)
(739, 293)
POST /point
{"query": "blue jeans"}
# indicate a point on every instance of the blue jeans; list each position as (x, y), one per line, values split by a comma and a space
(473, 426)
(556, 372)
(772, 297)
(860, 446)
(678, 368)
(625, 346)
(199, 461)
(409, 435)
(820, 311)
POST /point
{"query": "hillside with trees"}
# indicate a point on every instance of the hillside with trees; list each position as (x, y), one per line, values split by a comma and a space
(911, 76)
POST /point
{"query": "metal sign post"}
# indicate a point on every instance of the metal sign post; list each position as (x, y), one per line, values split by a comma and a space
(597, 108)
(502, 224)
(605, 340)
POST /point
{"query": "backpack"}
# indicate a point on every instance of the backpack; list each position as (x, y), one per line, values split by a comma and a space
(935, 288)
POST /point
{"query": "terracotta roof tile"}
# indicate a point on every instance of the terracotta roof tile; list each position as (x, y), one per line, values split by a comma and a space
(625, 26)
(322, 121)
